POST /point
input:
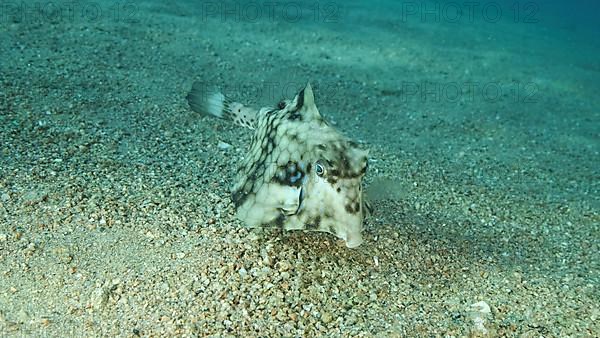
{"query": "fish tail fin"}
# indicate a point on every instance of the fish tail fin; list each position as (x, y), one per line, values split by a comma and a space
(214, 103)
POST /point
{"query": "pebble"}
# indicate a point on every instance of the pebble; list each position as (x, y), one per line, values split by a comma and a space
(326, 317)
(223, 145)
(478, 313)
(34, 197)
(30, 249)
(99, 297)
(243, 273)
(284, 266)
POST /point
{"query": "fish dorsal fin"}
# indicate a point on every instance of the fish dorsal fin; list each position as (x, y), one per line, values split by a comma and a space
(305, 103)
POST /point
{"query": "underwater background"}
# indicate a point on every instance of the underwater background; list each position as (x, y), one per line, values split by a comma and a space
(483, 123)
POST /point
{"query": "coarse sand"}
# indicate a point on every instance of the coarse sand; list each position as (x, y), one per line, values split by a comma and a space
(115, 215)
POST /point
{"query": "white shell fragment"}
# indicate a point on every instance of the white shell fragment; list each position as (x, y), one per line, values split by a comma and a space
(223, 145)
(479, 311)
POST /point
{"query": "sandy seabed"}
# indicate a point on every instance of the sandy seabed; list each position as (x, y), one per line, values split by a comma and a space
(115, 216)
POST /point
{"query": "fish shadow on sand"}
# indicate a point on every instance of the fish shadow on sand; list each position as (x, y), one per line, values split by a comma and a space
(426, 244)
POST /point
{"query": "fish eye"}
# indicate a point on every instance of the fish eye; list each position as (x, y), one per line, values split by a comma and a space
(281, 104)
(320, 170)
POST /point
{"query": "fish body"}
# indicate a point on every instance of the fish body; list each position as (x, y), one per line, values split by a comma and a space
(299, 173)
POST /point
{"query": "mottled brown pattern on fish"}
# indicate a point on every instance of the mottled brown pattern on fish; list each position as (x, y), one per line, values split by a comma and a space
(299, 172)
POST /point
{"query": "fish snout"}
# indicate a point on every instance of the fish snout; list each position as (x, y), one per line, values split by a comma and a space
(353, 239)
